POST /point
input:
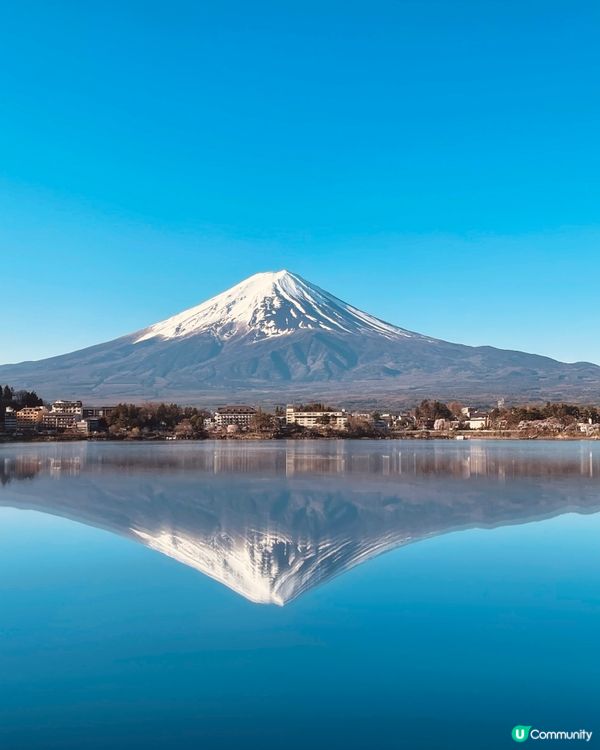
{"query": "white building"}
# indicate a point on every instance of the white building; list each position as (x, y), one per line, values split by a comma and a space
(67, 407)
(89, 425)
(238, 415)
(478, 420)
(57, 421)
(475, 419)
(316, 418)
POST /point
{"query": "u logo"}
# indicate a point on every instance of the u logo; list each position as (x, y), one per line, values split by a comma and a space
(520, 733)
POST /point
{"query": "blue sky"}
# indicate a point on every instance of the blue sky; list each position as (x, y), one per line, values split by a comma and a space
(435, 163)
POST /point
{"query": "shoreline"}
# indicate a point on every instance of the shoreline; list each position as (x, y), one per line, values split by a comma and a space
(481, 435)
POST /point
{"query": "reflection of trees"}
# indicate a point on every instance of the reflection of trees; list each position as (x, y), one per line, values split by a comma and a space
(395, 460)
(29, 466)
(22, 467)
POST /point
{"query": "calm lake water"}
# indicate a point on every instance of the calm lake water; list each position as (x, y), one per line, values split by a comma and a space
(237, 594)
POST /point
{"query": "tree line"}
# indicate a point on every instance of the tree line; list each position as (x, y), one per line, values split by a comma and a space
(162, 419)
(138, 420)
(17, 399)
(565, 414)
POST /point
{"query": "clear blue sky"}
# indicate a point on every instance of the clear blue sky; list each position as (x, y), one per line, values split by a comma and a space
(436, 163)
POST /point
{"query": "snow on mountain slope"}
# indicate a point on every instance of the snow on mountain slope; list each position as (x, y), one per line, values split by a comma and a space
(274, 338)
(270, 304)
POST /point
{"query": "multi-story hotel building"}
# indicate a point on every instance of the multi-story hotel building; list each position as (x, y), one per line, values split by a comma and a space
(30, 416)
(57, 421)
(316, 418)
(67, 407)
(10, 419)
(238, 415)
(101, 412)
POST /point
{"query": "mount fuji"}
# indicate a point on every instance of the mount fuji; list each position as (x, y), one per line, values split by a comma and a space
(276, 337)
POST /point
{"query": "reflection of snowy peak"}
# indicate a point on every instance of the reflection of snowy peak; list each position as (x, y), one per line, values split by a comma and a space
(273, 521)
(270, 304)
(266, 568)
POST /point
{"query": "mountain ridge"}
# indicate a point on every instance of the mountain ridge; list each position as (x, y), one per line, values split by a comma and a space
(275, 337)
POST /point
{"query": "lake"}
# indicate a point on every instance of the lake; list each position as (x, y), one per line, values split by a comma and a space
(302, 594)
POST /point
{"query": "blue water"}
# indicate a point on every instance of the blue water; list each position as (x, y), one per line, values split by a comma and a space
(424, 595)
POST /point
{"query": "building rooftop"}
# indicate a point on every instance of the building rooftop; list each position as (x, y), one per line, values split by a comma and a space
(242, 409)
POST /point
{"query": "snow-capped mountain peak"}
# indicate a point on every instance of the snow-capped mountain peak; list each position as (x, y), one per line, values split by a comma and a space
(270, 304)
(276, 337)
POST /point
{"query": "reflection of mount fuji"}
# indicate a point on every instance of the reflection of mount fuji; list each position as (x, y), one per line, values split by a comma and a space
(272, 522)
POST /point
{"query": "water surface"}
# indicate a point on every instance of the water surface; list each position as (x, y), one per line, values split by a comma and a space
(157, 595)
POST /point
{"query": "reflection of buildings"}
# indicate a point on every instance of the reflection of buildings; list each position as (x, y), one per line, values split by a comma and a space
(272, 521)
(19, 467)
(300, 462)
(67, 466)
(32, 463)
(396, 460)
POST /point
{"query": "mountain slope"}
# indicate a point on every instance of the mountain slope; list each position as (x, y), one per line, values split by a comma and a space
(276, 337)
(267, 305)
